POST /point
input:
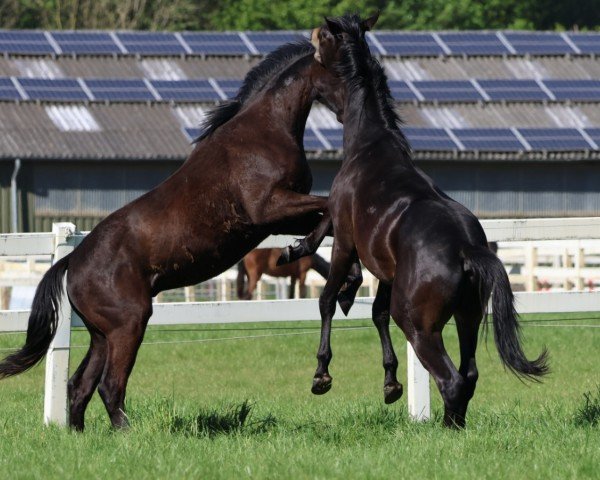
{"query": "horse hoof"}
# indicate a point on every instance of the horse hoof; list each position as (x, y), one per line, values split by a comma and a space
(321, 385)
(345, 303)
(392, 392)
(284, 258)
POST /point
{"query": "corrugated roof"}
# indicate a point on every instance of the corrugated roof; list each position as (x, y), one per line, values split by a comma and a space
(127, 132)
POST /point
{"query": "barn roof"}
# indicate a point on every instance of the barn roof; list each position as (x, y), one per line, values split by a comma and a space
(468, 95)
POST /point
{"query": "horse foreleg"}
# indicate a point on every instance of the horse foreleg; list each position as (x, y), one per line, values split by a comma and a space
(340, 264)
(309, 244)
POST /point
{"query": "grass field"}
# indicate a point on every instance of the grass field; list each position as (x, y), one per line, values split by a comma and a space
(243, 408)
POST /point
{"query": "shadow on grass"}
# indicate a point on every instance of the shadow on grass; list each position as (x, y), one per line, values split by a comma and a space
(233, 420)
(162, 415)
(589, 413)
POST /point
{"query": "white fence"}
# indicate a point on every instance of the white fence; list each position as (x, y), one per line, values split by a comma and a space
(64, 239)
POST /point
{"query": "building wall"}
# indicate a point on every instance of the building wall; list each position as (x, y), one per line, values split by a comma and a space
(85, 192)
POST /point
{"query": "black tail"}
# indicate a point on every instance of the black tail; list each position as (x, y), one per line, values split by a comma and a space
(320, 265)
(241, 279)
(487, 268)
(42, 322)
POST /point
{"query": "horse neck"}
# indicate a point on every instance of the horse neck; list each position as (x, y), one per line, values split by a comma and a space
(288, 102)
(361, 115)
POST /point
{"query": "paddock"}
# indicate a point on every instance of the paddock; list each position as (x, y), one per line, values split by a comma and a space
(65, 238)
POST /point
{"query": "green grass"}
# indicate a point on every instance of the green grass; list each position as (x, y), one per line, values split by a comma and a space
(243, 408)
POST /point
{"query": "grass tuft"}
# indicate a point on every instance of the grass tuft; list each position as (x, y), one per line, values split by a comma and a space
(589, 412)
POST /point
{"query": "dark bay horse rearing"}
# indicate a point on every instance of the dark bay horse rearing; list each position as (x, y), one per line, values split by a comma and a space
(428, 251)
(246, 178)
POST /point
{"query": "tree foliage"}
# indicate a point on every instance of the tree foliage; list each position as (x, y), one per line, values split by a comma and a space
(297, 14)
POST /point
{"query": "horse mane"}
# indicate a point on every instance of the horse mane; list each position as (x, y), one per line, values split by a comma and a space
(360, 69)
(254, 82)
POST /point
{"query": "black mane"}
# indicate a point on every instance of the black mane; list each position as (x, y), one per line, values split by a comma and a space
(360, 69)
(254, 82)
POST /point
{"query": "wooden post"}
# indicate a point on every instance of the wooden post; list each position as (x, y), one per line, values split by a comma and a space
(530, 264)
(5, 298)
(57, 358)
(579, 264)
(419, 407)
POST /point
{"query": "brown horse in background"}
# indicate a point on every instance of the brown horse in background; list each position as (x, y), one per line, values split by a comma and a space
(428, 251)
(263, 261)
(247, 178)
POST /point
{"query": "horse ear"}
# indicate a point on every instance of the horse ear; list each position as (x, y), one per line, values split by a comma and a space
(333, 26)
(370, 22)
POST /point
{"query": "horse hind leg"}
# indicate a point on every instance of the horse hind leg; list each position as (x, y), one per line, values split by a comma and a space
(392, 389)
(123, 345)
(467, 326)
(422, 324)
(85, 380)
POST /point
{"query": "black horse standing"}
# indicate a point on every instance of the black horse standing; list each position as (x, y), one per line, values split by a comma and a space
(429, 252)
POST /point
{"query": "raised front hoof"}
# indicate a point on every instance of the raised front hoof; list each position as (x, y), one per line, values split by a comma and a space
(345, 301)
(321, 385)
(392, 392)
(284, 258)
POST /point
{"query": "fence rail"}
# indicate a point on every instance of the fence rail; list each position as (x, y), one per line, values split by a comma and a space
(65, 238)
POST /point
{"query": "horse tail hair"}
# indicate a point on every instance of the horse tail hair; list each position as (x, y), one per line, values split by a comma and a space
(241, 279)
(320, 265)
(43, 321)
(487, 269)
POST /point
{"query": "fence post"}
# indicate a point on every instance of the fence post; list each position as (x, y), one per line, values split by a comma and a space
(57, 358)
(418, 387)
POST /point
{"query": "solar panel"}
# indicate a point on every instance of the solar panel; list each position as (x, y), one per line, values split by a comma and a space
(266, 42)
(85, 42)
(311, 141)
(554, 138)
(24, 42)
(8, 90)
(401, 91)
(586, 42)
(488, 139)
(119, 90)
(216, 43)
(335, 136)
(429, 139)
(192, 133)
(594, 134)
(448, 90)
(151, 43)
(474, 43)
(538, 43)
(61, 89)
(229, 86)
(574, 89)
(513, 90)
(409, 44)
(185, 90)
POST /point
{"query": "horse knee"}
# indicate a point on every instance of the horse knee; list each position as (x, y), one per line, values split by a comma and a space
(327, 305)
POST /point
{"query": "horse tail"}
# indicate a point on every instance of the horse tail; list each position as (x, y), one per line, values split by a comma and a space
(241, 279)
(43, 321)
(320, 265)
(489, 272)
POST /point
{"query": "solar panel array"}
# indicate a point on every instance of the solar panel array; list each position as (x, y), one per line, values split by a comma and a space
(467, 139)
(210, 90)
(27, 42)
